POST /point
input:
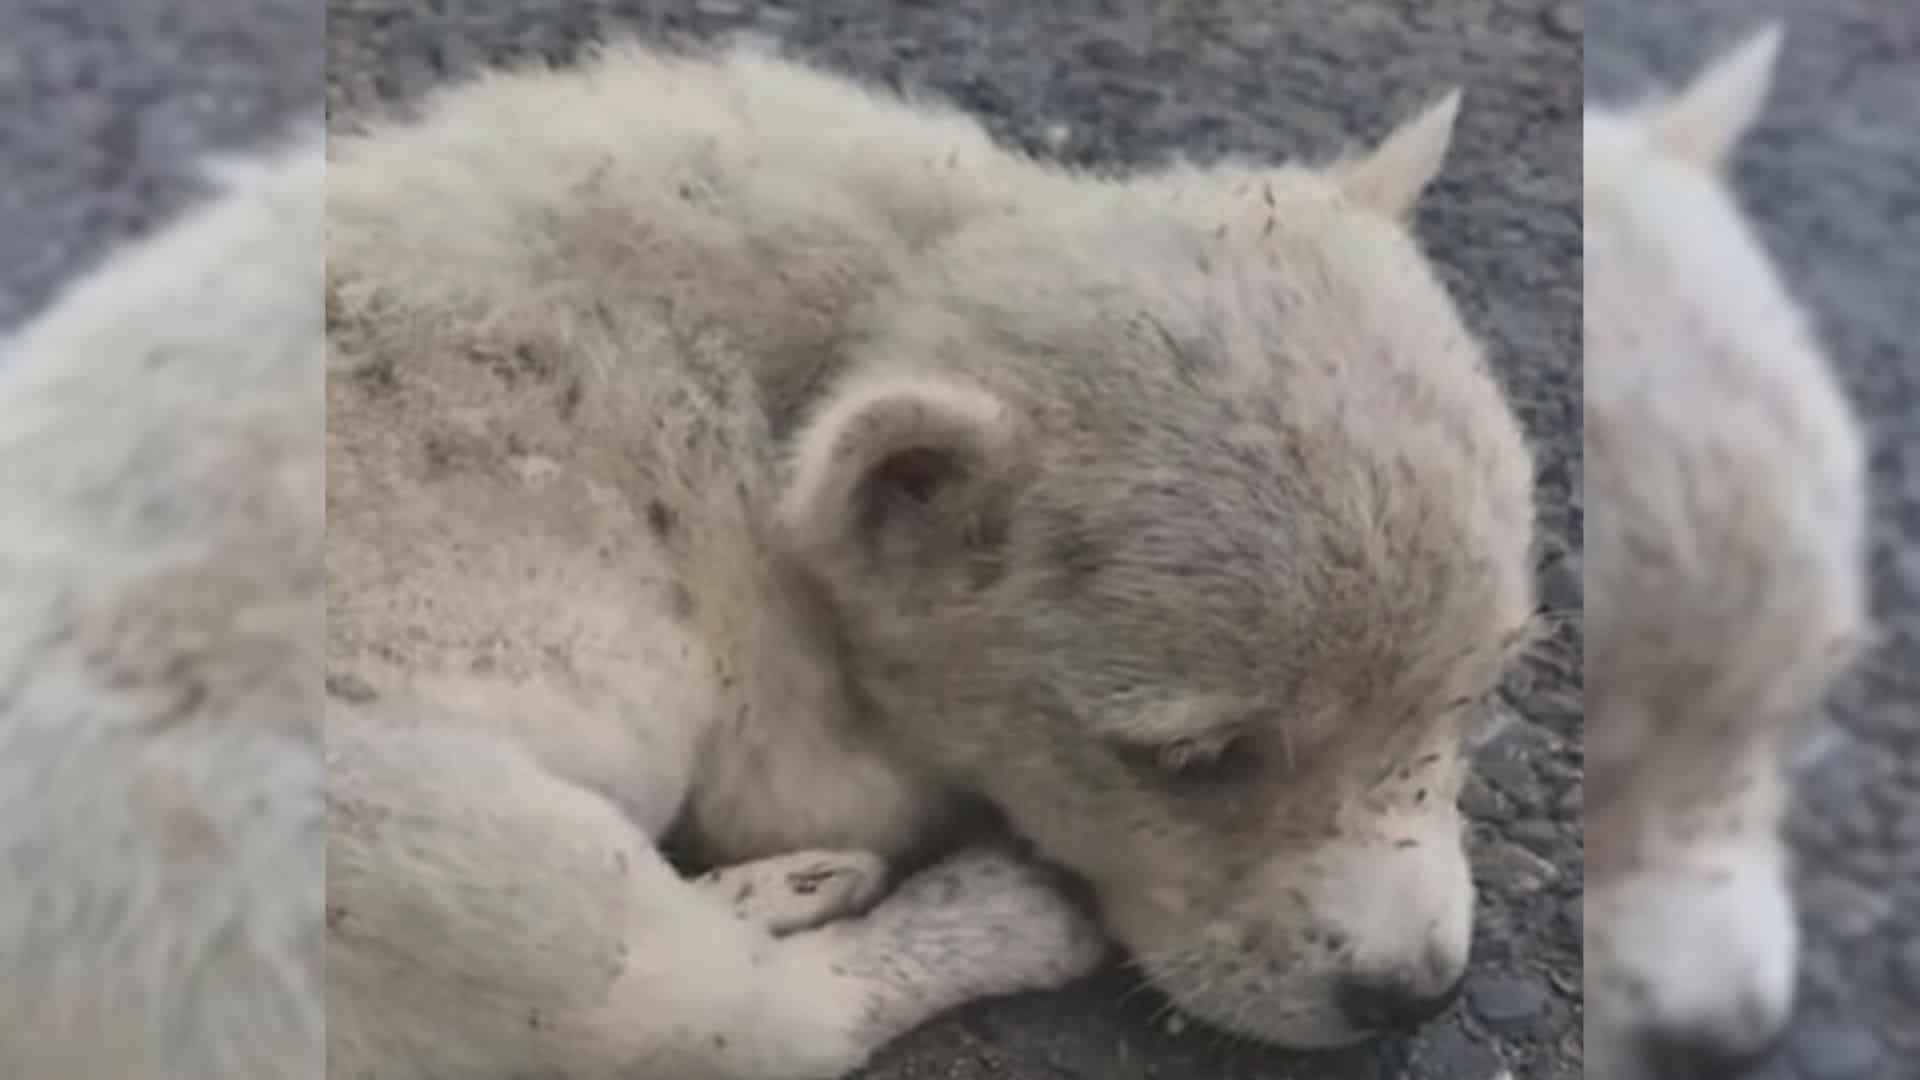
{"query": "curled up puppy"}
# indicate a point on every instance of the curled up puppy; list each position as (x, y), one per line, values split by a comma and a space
(724, 454)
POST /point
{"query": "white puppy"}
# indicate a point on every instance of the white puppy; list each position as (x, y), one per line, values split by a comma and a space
(723, 451)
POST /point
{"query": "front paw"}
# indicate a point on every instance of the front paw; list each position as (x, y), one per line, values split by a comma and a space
(990, 922)
(798, 891)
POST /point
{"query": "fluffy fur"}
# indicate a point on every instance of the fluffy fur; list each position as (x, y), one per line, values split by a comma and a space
(723, 452)
(1726, 507)
(161, 815)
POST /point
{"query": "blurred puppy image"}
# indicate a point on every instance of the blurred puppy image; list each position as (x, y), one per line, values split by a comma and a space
(161, 520)
(1725, 547)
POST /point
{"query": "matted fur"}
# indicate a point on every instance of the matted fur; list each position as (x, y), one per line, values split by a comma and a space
(161, 512)
(718, 448)
(1725, 533)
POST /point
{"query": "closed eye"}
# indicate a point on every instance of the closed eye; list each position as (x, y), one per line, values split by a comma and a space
(1207, 759)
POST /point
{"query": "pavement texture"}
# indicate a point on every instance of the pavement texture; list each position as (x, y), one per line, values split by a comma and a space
(107, 106)
(1832, 178)
(104, 104)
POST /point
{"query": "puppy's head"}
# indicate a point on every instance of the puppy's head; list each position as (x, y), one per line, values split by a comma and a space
(1186, 525)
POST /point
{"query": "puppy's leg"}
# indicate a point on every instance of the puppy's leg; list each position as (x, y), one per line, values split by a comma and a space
(983, 923)
(488, 919)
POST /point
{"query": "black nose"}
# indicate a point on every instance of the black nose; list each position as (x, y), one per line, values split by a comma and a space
(1700, 1057)
(1393, 1005)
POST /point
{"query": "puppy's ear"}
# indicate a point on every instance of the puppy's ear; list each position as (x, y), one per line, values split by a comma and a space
(1702, 123)
(1391, 176)
(903, 474)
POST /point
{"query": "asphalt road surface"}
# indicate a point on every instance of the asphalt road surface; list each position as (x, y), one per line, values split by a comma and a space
(1832, 176)
(106, 106)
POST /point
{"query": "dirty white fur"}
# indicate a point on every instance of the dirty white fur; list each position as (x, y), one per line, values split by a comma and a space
(1726, 508)
(718, 450)
(161, 814)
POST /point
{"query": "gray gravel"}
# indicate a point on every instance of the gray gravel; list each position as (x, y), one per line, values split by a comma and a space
(106, 105)
(1833, 177)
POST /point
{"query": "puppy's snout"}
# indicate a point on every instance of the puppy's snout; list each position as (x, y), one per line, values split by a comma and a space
(1395, 1004)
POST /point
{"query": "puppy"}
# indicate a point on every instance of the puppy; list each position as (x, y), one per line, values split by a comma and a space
(724, 452)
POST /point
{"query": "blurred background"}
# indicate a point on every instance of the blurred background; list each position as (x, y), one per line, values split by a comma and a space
(1831, 178)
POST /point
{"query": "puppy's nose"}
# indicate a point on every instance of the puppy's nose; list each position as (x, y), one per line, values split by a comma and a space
(1672, 1056)
(1393, 1004)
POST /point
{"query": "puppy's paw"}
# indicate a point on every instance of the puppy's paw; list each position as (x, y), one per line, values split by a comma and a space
(788, 893)
(988, 922)
(983, 923)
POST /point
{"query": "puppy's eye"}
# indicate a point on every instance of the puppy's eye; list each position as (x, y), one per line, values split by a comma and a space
(1188, 755)
(1203, 759)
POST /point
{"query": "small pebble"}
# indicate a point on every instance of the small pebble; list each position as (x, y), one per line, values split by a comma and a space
(1572, 803)
(1560, 585)
(1538, 835)
(1479, 800)
(1516, 779)
(1506, 1003)
(1516, 870)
